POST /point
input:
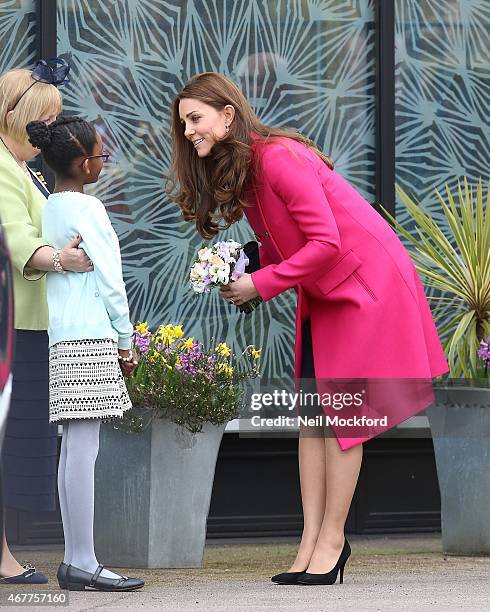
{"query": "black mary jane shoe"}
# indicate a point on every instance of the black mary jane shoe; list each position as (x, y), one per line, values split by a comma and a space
(331, 576)
(30, 576)
(61, 575)
(287, 578)
(79, 580)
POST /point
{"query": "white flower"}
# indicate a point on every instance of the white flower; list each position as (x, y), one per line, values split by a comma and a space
(198, 272)
(205, 254)
(220, 274)
(225, 250)
(216, 260)
(233, 245)
(198, 287)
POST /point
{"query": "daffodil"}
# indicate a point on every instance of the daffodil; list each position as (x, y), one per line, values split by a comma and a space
(189, 343)
(142, 328)
(166, 334)
(227, 369)
(255, 353)
(163, 330)
(177, 331)
(223, 349)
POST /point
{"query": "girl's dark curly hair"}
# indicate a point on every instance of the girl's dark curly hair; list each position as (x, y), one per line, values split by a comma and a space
(212, 188)
(62, 141)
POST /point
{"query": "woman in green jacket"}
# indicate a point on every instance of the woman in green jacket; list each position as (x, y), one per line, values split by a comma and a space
(29, 452)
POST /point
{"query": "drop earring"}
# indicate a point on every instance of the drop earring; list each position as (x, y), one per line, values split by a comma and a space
(227, 128)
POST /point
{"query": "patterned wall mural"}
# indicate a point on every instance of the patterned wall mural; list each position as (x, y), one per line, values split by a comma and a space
(306, 64)
(17, 34)
(442, 94)
(442, 99)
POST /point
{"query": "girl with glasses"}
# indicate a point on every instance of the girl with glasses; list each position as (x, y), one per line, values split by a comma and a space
(89, 337)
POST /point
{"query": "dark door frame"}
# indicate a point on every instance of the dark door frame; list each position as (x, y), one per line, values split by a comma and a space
(385, 103)
(46, 44)
(46, 29)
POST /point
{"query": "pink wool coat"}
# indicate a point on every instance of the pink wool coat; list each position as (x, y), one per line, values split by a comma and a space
(355, 280)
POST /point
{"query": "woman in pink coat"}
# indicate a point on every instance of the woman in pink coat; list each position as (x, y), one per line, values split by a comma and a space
(358, 291)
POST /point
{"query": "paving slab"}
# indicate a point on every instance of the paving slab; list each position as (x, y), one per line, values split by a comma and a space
(385, 573)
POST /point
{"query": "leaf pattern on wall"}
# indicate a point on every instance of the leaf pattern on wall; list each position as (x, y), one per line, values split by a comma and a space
(442, 99)
(442, 94)
(17, 34)
(308, 65)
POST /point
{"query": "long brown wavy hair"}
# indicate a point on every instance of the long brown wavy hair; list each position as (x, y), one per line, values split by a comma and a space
(210, 190)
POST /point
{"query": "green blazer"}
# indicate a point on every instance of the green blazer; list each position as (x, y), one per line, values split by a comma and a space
(21, 206)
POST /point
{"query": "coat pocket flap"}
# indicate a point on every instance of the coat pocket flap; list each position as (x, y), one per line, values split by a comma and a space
(342, 269)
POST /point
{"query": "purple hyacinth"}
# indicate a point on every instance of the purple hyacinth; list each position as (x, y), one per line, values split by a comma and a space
(484, 352)
(187, 364)
(142, 342)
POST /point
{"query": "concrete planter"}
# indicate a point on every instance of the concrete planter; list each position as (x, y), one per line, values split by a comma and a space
(460, 426)
(152, 495)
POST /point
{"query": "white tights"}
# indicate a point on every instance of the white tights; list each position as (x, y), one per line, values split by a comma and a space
(79, 449)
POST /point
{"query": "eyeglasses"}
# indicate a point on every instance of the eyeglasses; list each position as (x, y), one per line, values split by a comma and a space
(52, 71)
(103, 156)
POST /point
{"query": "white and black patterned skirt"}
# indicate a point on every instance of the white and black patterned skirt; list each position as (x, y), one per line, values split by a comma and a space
(85, 381)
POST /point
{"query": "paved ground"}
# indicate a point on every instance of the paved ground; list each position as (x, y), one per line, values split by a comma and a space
(385, 573)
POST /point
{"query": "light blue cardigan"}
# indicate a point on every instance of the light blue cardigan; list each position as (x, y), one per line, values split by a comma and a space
(90, 304)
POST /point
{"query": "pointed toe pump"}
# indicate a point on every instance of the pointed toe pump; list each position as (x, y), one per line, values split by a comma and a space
(287, 578)
(331, 576)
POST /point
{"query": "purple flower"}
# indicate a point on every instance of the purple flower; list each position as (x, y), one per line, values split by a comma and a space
(142, 342)
(223, 248)
(484, 352)
(240, 266)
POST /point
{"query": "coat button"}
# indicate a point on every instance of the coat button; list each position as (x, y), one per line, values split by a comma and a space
(267, 234)
(96, 294)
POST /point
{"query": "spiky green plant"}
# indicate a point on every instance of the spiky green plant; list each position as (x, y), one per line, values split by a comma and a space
(456, 264)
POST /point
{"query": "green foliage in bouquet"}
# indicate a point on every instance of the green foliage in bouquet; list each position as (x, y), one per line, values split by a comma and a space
(454, 261)
(179, 379)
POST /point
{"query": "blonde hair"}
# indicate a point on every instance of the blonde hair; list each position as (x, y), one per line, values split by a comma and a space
(40, 100)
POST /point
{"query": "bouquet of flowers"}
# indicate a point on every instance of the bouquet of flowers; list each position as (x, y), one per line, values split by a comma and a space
(220, 264)
(180, 379)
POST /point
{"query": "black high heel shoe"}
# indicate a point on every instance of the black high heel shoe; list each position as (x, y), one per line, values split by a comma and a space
(287, 577)
(331, 576)
(79, 580)
(61, 575)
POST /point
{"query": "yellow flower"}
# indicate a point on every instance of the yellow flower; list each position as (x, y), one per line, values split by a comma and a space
(142, 328)
(223, 349)
(165, 333)
(177, 331)
(227, 369)
(255, 353)
(163, 330)
(154, 356)
(189, 343)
